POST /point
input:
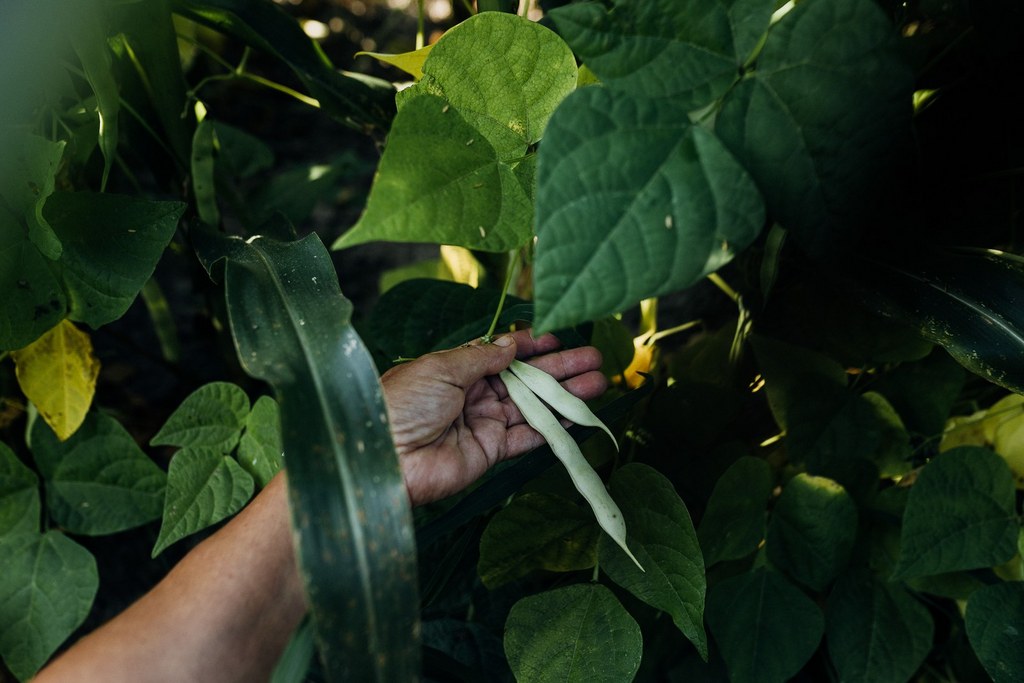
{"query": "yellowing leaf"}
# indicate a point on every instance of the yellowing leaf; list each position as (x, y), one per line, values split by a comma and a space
(1000, 428)
(57, 372)
(409, 62)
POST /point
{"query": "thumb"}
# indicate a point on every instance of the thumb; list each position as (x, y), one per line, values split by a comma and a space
(467, 364)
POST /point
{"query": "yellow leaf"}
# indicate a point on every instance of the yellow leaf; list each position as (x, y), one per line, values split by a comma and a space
(409, 62)
(58, 372)
(1000, 428)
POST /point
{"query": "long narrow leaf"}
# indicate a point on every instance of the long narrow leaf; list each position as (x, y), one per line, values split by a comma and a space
(350, 510)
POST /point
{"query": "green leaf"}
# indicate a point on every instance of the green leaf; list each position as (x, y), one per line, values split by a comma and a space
(662, 537)
(361, 103)
(111, 247)
(19, 495)
(202, 164)
(27, 178)
(99, 481)
(212, 417)
(893, 453)
(876, 632)
(766, 628)
(923, 392)
(503, 74)
(788, 370)
(260, 450)
(632, 202)
(733, 524)
(34, 300)
(960, 515)
(296, 191)
(47, 585)
(537, 531)
(576, 634)
(204, 486)
(994, 617)
(350, 508)
(817, 159)
(419, 316)
(440, 180)
(239, 154)
(689, 51)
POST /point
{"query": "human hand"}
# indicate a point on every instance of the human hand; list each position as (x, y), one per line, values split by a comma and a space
(451, 417)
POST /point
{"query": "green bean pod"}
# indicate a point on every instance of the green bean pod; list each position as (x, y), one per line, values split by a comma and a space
(547, 387)
(583, 476)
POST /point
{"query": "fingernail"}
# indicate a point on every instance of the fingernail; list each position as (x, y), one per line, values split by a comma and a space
(505, 340)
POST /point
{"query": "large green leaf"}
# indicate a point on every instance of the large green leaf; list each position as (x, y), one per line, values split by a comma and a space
(34, 300)
(812, 531)
(576, 634)
(204, 486)
(440, 180)
(361, 103)
(662, 537)
(690, 51)
(923, 392)
(47, 585)
(877, 632)
(99, 481)
(504, 74)
(994, 617)
(19, 495)
(632, 202)
(212, 416)
(733, 524)
(817, 157)
(960, 515)
(350, 508)
(537, 531)
(766, 628)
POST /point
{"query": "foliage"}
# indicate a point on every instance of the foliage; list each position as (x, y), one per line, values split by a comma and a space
(793, 224)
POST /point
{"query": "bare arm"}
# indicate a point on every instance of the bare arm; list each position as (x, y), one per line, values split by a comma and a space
(226, 611)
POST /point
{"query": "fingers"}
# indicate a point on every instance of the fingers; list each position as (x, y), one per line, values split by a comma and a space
(466, 365)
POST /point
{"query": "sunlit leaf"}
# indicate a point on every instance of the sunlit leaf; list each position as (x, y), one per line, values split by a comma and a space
(58, 374)
(409, 62)
(576, 634)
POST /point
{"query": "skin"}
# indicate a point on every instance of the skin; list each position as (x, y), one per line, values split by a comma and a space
(226, 611)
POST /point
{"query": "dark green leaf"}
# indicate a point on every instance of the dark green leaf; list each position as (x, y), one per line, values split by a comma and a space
(111, 247)
(577, 634)
(788, 369)
(876, 632)
(239, 154)
(893, 453)
(28, 168)
(259, 449)
(440, 180)
(734, 520)
(690, 51)
(212, 417)
(47, 585)
(923, 392)
(34, 300)
(296, 191)
(204, 486)
(19, 495)
(99, 481)
(766, 628)
(960, 515)
(816, 159)
(203, 172)
(994, 617)
(294, 664)
(537, 531)
(350, 508)
(632, 202)
(661, 535)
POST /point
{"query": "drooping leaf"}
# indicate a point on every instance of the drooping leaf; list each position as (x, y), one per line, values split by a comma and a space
(690, 51)
(47, 585)
(663, 539)
(577, 634)
(994, 617)
(58, 373)
(537, 531)
(349, 504)
(27, 179)
(19, 495)
(817, 159)
(111, 247)
(766, 628)
(212, 416)
(260, 450)
(441, 181)
(876, 632)
(204, 486)
(734, 521)
(503, 74)
(632, 202)
(960, 515)
(99, 481)
(34, 299)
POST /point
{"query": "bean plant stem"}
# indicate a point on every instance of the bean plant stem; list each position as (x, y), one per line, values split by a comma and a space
(419, 25)
(513, 262)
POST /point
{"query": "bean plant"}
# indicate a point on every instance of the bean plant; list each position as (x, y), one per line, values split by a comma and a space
(792, 229)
